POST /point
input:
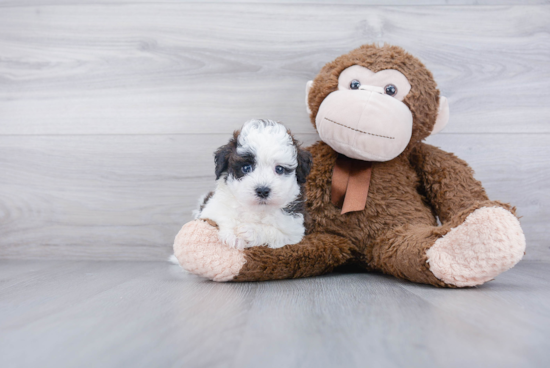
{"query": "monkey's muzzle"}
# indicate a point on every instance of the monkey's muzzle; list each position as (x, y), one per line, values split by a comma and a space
(365, 124)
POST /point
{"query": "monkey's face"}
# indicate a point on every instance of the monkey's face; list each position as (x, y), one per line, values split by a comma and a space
(375, 103)
(365, 118)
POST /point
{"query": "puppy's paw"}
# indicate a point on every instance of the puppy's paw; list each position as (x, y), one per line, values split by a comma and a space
(247, 234)
(278, 243)
(233, 241)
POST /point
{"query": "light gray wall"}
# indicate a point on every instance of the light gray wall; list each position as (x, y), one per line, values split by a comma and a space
(110, 112)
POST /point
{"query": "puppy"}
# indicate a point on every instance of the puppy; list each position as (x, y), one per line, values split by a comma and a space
(259, 196)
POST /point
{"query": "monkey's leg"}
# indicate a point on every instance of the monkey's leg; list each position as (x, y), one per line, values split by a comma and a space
(199, 251)
(471, 249)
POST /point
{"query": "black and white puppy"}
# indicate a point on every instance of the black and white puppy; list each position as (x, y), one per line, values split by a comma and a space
(259, 197)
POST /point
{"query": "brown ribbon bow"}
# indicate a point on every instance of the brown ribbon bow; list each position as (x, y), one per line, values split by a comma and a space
(350, 184)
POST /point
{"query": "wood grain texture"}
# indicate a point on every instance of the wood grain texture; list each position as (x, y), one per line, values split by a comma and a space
(176, 68)
(110, 111)
(125, 197)
(150, 314)
(10, 3)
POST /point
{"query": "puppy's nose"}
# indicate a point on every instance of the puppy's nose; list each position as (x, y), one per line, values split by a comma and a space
(263, 192)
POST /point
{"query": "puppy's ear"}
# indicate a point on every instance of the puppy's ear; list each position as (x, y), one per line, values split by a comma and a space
(304, 165)
(221, 158)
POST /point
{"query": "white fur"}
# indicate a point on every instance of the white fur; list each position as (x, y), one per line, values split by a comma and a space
(244, 219)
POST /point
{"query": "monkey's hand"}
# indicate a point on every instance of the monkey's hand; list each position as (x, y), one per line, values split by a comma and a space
(199, 250)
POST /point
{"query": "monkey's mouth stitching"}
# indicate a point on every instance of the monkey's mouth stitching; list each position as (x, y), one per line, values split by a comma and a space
(360, 131)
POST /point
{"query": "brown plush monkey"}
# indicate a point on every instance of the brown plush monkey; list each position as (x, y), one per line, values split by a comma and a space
(375, 191)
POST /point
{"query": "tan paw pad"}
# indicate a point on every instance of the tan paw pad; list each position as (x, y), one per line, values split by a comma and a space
(199, 251)
(488, 243)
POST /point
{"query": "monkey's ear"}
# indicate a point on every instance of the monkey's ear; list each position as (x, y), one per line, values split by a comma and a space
(442, 115)
(221, 158)
(309, 84)
(304, 165)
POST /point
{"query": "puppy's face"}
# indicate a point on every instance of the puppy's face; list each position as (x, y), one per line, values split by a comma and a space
(262, 165)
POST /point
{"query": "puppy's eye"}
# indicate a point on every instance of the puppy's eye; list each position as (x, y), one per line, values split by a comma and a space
(355, 84)
(390, 90)
(279, 170)
(246, 169)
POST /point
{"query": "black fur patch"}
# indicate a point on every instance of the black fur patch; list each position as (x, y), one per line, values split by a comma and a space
(238, 161)
(205, 201)
(298, 206)
(303, 159)
(305, 162)
(229, 161)
(304, 165)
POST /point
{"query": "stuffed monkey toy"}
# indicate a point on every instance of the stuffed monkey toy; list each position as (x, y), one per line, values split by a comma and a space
(376, 191)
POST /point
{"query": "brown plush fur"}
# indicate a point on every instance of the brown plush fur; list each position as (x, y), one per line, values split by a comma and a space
(406, 195)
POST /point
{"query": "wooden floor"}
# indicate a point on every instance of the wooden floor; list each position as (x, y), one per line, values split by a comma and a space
(152, 314)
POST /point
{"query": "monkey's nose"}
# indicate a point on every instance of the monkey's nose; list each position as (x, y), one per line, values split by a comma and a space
(372, 89)
(263, 192)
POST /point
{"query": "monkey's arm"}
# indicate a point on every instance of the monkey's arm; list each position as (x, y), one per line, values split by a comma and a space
(199, 251)
(449, 184)
(316, 254)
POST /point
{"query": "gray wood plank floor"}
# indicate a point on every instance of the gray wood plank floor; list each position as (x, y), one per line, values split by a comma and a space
(110, 110)
(152, 314)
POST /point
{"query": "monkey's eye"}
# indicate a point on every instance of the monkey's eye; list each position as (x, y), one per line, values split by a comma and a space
(390, 90)
(279, 170)
(246, 169)
(355, 84)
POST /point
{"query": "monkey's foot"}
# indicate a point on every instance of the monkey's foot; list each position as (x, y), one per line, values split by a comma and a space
(199, 250)
(488, 243)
